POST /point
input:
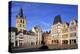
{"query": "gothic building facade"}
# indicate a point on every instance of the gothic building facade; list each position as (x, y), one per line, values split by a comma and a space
(62, 33)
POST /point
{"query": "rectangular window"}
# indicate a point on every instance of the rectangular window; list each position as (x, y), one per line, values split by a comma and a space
(21, 30)
(65, 30)
(12, 35)
(72, 34)
(20, 25)
(65, 36)
(23, 25)
(72, 29)
(23, 21)
(75, 41)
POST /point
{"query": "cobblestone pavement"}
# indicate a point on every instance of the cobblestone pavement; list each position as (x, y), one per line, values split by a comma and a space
(62, 46)
(50, 47)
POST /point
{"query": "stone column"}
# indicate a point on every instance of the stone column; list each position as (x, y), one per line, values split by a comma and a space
(14, 43)
(61, 41)
(68, 42)
(18, 43)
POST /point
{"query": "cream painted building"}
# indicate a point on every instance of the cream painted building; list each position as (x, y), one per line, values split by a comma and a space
(62, 33)
(73, 37)
(19, 39)
(56, 31)
(24, 40)
(65, 33)
(38, 32)
(30, 39)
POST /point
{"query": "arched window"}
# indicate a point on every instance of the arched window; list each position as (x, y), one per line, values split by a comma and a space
(21, 21)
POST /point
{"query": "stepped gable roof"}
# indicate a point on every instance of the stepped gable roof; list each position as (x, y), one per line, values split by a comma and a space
(72, 18)
(67, 23)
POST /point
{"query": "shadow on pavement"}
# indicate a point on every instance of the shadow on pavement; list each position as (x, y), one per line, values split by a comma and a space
(44, 47)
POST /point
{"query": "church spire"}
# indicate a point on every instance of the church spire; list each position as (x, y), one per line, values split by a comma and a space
(21, 12)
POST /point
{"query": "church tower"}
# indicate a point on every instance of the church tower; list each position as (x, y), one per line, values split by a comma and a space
(21, 21)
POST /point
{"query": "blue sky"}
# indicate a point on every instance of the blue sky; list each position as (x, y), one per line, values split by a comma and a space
(42, 13)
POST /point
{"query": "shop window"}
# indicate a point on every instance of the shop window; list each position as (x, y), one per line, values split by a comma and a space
(70, 41)
(56, 41)
(52, 41)
(75, 41)
(32, 43)
(65, 42)
(20, 44)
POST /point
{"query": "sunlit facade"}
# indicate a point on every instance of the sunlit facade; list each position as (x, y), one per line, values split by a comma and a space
(38, 32)
(21, 21)
(62, 33)
(73, 36)
(65, 33)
